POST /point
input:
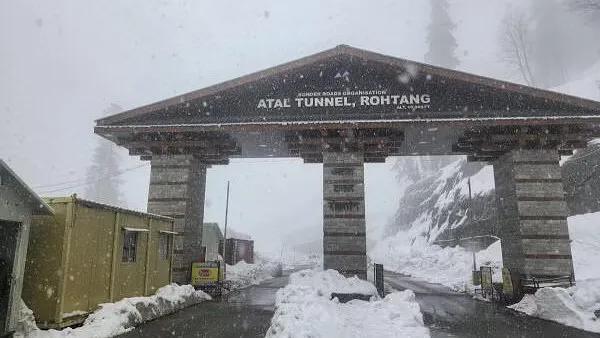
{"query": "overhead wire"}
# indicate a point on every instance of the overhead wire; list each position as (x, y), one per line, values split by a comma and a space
(88, 181)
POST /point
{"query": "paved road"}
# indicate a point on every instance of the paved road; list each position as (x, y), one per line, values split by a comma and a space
(451, 314)
(248, 312)
(245, 313)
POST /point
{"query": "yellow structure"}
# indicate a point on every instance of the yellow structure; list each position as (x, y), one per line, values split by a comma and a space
(206, 273)
(90, 253)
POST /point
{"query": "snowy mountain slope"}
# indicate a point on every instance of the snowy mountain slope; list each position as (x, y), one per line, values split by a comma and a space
(587, 86)
(436, 205)
(434, 201)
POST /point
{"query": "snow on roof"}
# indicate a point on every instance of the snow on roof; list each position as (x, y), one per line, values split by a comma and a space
(231, 233)
(39, 206)
(353, 52)
(525, 119)
(75, 199)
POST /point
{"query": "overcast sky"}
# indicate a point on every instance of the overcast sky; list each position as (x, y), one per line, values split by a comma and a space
(63, 62)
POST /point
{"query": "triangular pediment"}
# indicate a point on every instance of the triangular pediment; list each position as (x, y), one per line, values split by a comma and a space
(347, 84)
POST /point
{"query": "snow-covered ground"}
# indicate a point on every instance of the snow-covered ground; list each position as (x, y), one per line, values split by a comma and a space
(243, 274)
(304, 309)
(449, 266)
(411, 254)
(112, 319)
(574, 306)
(304, 260)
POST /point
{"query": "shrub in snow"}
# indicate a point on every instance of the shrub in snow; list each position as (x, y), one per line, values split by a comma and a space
(304, 309)
(112, 319)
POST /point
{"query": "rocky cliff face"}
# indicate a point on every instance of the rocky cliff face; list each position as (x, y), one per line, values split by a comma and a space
(581, 175)
(436, 203)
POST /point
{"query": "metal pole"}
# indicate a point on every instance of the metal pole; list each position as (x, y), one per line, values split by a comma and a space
(470, 197)
(469, 214)
(225, 235)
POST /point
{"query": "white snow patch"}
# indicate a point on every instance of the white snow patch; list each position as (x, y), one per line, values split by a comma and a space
(449, 266)
(587, 86)
(304, 309)
(232, 233)
(584, 231)
(483, 181)
(574, 306)
(566, 306)
(243, 274)
(112, 319)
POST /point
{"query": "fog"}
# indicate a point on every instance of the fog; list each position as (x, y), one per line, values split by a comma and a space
(63, 62)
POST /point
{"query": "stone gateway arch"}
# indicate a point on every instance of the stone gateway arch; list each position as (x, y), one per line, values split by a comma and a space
(345, 107)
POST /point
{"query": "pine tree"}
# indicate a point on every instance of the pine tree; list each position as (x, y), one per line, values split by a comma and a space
(103, 184)
(552, 59)
(442, 44)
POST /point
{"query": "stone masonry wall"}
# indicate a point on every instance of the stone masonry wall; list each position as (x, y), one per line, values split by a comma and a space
(532, 213)
(344, 232)
(177, 186)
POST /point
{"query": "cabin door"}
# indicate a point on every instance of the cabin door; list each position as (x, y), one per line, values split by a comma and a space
(9, 235)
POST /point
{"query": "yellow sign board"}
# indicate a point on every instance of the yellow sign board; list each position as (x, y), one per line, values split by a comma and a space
(205, 273)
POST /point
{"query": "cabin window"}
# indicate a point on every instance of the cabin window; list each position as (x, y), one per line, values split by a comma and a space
(164, 246)
(130, 239)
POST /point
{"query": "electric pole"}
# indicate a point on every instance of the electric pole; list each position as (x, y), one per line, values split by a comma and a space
(225, 234)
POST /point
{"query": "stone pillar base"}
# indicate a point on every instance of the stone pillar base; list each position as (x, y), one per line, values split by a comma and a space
(533, 214)
(344, 233)
(177, 185)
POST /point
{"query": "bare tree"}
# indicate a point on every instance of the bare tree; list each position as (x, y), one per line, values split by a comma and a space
(516, 45)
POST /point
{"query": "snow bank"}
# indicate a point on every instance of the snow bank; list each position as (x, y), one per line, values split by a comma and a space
(449, 266)
(584, 231)
(408, 252)
(574, 306)
(112, 319)
(243, 274)
(304, 309)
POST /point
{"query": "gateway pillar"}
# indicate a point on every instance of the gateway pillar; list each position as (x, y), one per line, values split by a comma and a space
(344, 231)
(177, 187)
(533, 214)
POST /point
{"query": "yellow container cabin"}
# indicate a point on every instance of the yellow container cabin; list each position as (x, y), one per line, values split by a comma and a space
(90, 253)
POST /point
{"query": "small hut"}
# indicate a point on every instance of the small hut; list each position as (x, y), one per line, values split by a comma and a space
(18, 203)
